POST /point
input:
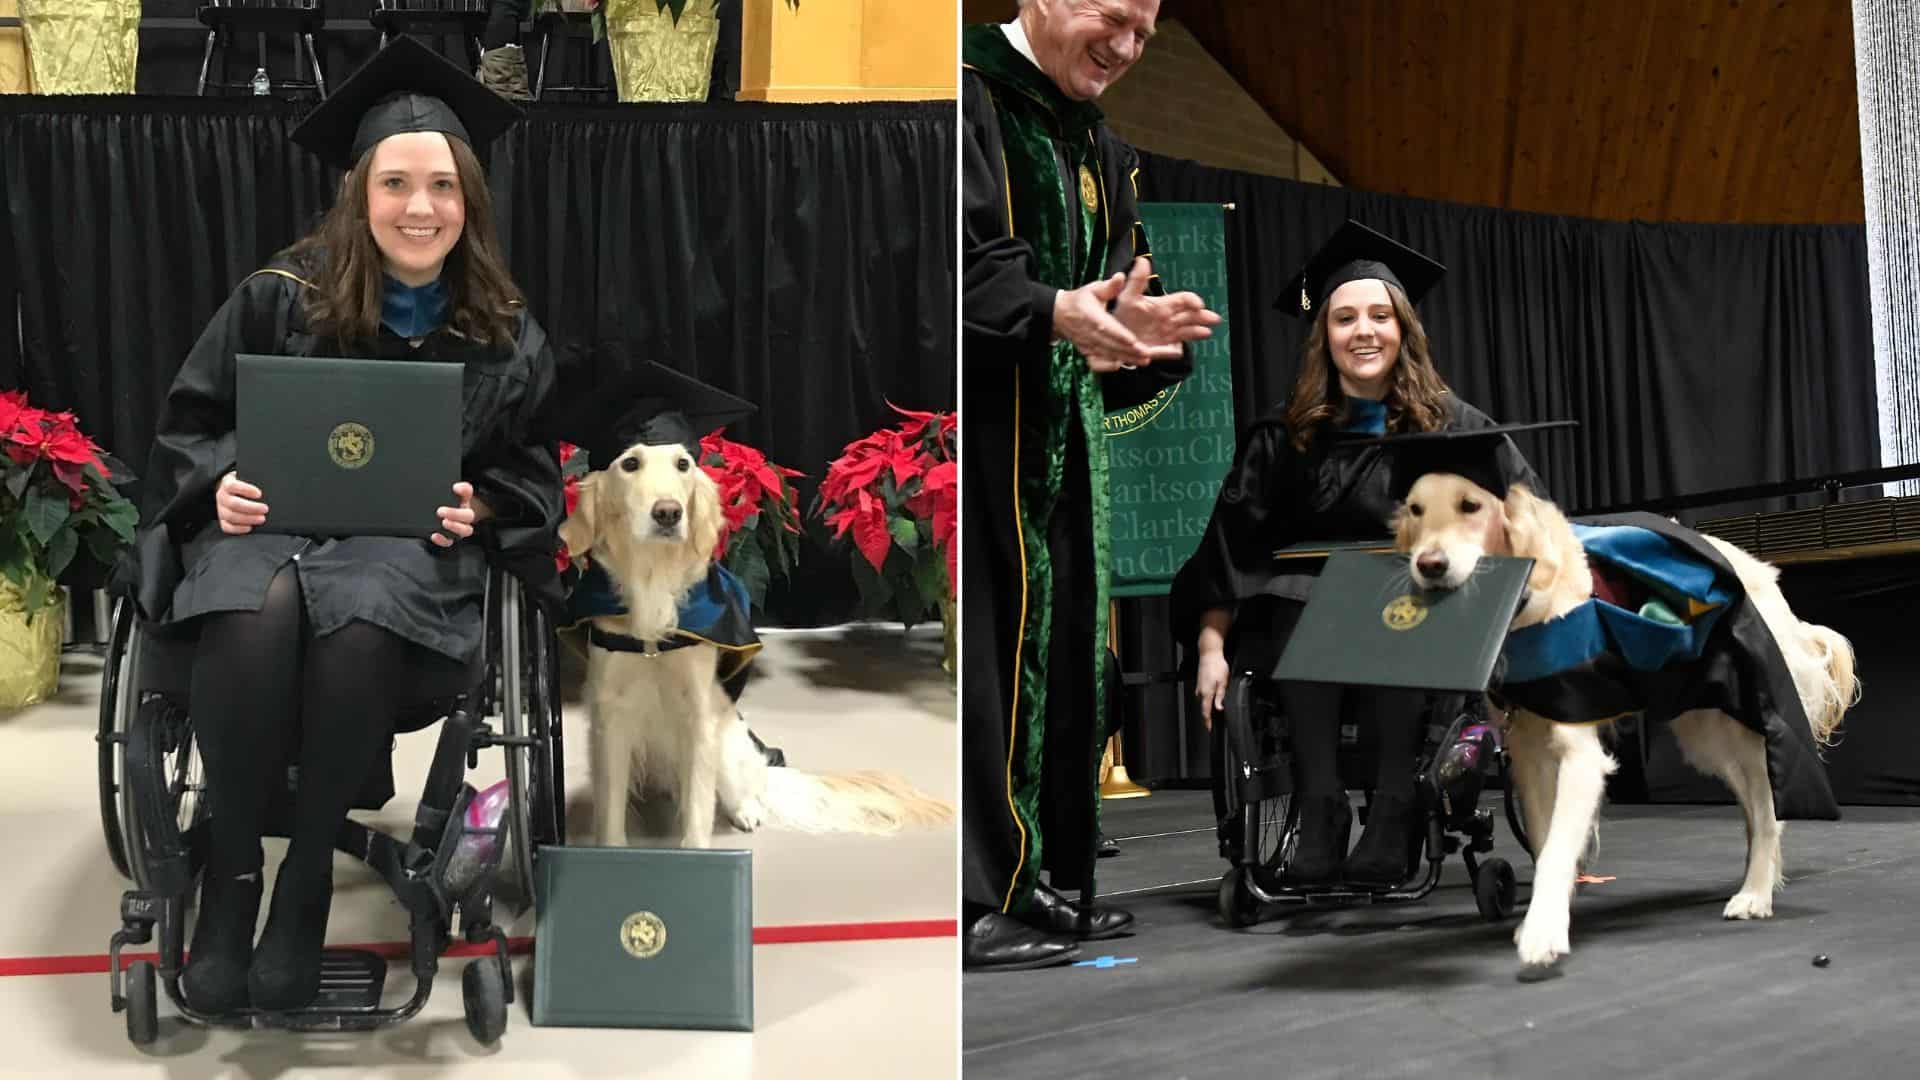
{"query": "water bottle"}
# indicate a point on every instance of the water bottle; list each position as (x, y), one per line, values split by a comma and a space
(262, 86)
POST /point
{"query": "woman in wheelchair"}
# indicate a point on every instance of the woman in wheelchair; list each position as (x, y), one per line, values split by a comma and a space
(334, 637)
(1366, 369)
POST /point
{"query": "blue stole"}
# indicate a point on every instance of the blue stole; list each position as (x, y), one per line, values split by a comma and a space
(412, 311)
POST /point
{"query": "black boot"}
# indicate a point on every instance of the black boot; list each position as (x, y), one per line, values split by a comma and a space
(1325, 823)
(285, 973)
(215, 980)
(1389, 848)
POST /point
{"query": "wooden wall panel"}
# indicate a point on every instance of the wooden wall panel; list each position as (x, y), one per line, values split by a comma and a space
(1665, 110)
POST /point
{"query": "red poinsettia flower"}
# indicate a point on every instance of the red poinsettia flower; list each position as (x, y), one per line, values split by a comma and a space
(917, 458)
(13, 409)
(752, 491)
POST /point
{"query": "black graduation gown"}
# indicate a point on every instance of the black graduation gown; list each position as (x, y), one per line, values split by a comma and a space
(183, 566)
(1274, 496)
(1027, 776)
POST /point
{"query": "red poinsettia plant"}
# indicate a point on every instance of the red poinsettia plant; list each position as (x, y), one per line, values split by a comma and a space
(758, 504)
(896, 493)
(56, 496)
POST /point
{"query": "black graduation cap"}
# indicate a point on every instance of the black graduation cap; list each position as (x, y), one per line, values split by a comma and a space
(1472, 454)
(1353, 253)
(651, 404)
(405, 87)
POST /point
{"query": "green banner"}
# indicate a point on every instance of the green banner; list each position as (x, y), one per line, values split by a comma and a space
(1169, 455)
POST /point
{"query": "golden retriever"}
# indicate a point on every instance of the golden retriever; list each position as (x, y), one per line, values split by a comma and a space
(661, 720)
(1445, 524)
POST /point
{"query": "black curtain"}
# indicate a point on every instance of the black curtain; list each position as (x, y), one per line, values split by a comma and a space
(799, 255)
(1695, 357)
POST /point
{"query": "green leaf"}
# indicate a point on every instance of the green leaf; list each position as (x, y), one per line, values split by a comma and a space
(104, 545)
(17, 481)
(904, 534)
(930, 578)
(38, 590)
(121, 516)
(873, 591)
(751, 568)
(45, 514)
(60, 551)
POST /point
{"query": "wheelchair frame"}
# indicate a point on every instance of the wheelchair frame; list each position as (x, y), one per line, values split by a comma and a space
(1258, 821)
(154, 816)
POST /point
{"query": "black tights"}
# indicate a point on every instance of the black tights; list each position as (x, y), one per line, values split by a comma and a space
(257, 677)
(1313, 711)
(257, 674)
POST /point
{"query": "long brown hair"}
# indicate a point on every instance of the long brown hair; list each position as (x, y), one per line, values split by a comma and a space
(1415, 400)
(344, 263)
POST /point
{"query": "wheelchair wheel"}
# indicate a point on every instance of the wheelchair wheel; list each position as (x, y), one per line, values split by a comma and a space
(1515, 817)
(1252, 784)
(166, 807)
(143, 1006)
(547, 782)
(1238, 908)
(518, 718)
(116, 680)
(1494, 889)
(483, 994)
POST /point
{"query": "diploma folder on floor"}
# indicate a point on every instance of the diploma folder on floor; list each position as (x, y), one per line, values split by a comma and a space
(1366, 625)
(348, 447)
(644, 938)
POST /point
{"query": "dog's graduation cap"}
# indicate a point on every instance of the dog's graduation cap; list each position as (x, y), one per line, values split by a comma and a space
(1355, 253)
(1472, 454)
(405, 87)
(649, 404)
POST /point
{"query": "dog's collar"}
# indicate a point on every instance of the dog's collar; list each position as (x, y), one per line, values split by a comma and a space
(612, 642)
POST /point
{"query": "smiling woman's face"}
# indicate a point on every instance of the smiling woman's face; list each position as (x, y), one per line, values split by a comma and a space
(1363, 334)
(414, 205)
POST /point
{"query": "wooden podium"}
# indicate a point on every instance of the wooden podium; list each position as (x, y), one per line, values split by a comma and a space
(849, 50)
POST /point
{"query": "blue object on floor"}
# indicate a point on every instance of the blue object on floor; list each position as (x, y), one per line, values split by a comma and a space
(1106, 962)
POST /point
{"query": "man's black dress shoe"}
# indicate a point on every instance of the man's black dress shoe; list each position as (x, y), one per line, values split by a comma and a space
(1055, 914)
(1107, 848)
(997, 942)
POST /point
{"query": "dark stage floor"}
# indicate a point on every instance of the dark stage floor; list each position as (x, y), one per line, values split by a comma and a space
(1657, 986)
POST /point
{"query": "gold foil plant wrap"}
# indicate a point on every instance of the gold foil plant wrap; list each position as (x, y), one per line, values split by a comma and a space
(29, 649)
(656, 58)
(58, 502)
(13, 52)
(82, 46)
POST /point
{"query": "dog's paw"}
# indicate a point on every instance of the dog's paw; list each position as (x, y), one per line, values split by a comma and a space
(1541, 941)
(1749, 905)
(748, 816)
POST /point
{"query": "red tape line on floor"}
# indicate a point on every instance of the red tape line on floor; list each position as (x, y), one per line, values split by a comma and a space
(814, 933)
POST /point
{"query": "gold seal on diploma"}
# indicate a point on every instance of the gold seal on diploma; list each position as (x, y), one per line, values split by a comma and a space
(1404, 613)
(350, 445)
(643, 935)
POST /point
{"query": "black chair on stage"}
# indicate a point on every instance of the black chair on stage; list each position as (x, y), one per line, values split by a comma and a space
(575, 31)
(465, 19)
(225, 18)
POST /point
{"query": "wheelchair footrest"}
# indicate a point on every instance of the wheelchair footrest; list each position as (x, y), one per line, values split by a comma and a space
(350, 981)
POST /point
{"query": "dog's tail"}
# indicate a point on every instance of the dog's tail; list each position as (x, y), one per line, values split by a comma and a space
(864, 802)
(1840, 690)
